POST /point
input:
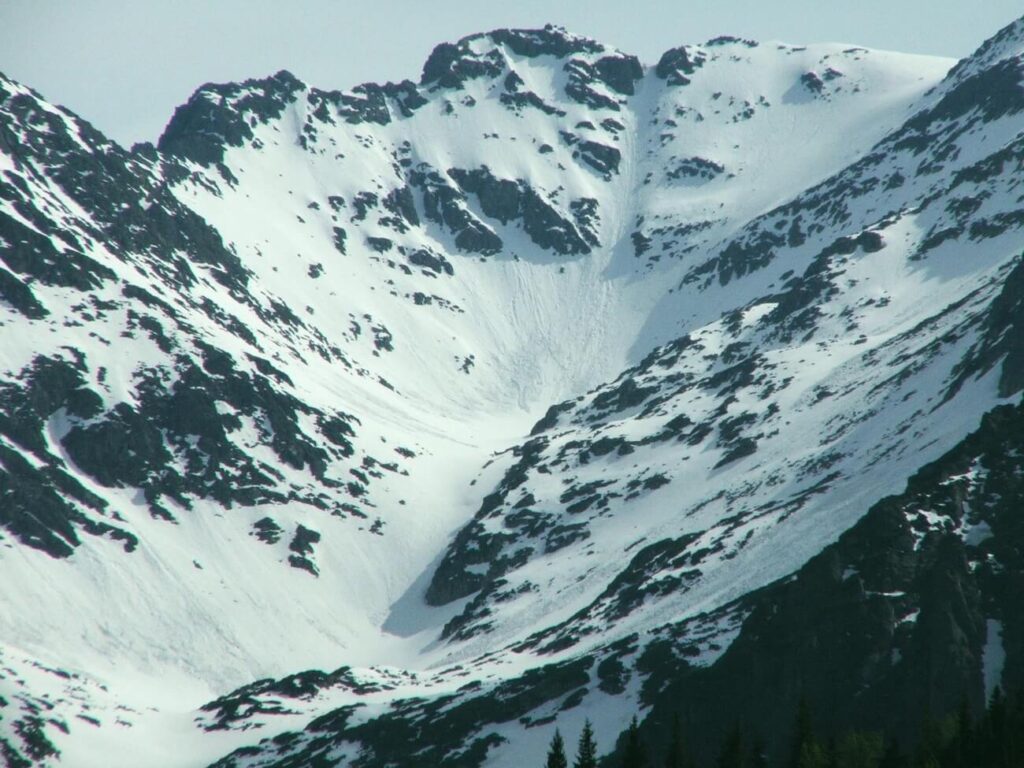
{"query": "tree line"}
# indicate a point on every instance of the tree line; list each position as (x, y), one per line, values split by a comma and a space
(995, 739)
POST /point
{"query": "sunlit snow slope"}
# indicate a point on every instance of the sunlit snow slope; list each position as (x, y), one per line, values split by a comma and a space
(537, 361)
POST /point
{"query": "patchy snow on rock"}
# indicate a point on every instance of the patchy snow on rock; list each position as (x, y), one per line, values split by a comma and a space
(529, 366)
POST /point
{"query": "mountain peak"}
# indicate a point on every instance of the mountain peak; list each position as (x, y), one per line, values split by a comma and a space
(551, 40)
(214, 115)
(450, 63)
(1006, 44)
(489, 55)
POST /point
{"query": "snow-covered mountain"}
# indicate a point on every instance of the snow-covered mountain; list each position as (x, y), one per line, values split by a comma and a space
(553, 386)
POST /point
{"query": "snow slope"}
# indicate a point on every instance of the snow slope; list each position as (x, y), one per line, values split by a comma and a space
(454, 379)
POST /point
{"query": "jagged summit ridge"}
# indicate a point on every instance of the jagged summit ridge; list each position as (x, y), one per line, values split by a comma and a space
(450, 63)
(1007, 44)
(211, 118)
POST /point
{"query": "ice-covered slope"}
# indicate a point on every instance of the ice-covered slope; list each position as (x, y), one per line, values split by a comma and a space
(514, 366)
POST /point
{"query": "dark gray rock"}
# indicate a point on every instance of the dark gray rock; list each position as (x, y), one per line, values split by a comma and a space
(302, 545)
(696, 168)
(507, 201)
(619, 72)
(602, 158)
(839, 631)
(676, 65)
(549, 41)
(445, 204)
(217, 116)
(432, 261)
(42, 505)
(450, 65)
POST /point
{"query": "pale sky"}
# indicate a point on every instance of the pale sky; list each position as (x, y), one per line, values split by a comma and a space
(125, 64)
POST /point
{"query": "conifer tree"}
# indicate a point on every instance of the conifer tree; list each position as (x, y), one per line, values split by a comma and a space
(892, 757)
(832, 753)
(806, 751)
(803, 733)
(931, 743)
(997, 739)
(556, 753)
(957, 754)
(586, 750)
(758, 754)
(813, 755)
(677, 756)
(997, 722)
(859, 749)
(635, 756)
(732, 754)
(1015, 731)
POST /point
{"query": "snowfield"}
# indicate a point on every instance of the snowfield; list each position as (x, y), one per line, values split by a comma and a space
(444, 382)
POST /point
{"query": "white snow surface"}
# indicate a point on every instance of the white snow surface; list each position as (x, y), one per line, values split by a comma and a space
(202, 607)
(993, 656)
